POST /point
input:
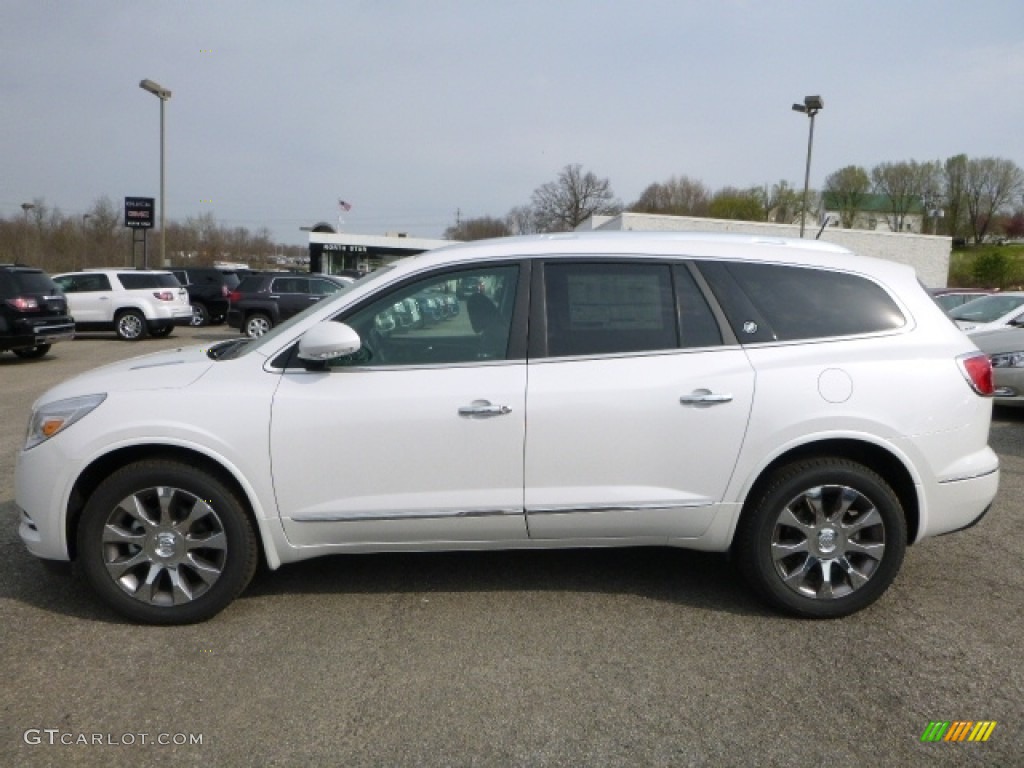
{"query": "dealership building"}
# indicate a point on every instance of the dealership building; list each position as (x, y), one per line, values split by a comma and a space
(334, 253)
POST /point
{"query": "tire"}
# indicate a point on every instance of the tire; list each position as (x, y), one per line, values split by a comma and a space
(200, 316)
(166, 543)
(32, 353)
(824, 539)
(257, 324)
(130, 325)
(161, 332)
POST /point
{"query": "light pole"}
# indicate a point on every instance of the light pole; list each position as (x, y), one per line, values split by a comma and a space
(812, 105)
(163, 94)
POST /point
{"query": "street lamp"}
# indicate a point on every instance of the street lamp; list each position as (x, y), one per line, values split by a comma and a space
(812, 105)
(163, 94)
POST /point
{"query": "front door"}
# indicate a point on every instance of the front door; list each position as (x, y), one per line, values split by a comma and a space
(417, 439)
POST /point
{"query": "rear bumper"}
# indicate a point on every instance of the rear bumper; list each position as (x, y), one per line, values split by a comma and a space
(32, 333)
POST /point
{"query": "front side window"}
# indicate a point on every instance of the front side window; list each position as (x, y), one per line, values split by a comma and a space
(595, 309)
(432, 322)
(83, 283)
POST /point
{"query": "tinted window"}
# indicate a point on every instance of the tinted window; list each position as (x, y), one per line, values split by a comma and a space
(32, 282)
(787, 303)
(250, 284)
(428, 322)
(323, 287)
(140, 280)
(697, 324)
(609, 308)
(83, 283)
(290, 285)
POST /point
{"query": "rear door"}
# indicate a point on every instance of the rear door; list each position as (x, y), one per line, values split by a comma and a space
(637, 406)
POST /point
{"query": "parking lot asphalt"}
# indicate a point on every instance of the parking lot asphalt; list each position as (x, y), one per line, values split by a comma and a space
(578, 658)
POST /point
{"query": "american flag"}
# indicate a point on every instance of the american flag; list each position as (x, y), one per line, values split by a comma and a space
(344, 206)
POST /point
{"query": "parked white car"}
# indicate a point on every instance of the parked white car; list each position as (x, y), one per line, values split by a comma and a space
(810, 411)
(986, 312)
(130, 302)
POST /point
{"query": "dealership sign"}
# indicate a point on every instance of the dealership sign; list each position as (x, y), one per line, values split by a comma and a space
(138, 212)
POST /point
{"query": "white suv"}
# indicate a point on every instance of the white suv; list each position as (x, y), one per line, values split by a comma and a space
(810, 411)
(131, 302)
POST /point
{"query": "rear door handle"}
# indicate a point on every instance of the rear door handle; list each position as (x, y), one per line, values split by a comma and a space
(482, 409)
(703, 398)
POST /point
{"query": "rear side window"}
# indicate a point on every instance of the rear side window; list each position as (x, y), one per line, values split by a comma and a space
(140, 280)
(250, 284)
(609, 308)
(290, 285)
(783, 303)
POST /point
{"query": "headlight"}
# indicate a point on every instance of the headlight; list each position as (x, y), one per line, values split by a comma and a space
(1008, 360)
(54, 417)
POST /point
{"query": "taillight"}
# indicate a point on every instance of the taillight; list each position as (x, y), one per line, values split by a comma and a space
(24, 303)
(234, 296)
(977, 369)
(164, 295)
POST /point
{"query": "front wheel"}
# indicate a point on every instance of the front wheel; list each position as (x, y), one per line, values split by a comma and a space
(165, 543)
(130, 325)
(824, 539)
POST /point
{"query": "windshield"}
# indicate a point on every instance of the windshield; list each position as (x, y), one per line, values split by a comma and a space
(988, 308)
(251, 344)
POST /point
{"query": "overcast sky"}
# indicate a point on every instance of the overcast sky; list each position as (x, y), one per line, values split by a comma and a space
(413, 109)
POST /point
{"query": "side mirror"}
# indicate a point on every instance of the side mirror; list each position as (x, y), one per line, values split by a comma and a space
(327, 341)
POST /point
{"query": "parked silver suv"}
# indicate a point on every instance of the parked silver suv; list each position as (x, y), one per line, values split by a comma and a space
(130, 302)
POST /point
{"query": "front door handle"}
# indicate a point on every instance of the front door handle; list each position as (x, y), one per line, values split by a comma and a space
(703, 398)
(482, 409)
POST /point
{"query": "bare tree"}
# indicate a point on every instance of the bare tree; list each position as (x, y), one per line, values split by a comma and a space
(904, 185)
(477, 229)
(991, 184)
(575, 196)
(679, 196)
(520, 221)
(847, 190)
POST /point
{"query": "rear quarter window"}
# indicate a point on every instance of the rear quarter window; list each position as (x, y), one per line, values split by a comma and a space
(135, 281)
(785, 303)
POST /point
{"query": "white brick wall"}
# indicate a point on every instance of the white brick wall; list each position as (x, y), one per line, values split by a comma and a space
(928, 254)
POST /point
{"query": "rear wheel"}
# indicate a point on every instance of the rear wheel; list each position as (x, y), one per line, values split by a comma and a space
(130, 325)
(200, 315)
(257, 324)
(165, 543)
(824, 539)
(31, 353)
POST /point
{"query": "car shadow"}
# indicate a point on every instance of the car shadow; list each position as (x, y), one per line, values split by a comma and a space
(696, 579)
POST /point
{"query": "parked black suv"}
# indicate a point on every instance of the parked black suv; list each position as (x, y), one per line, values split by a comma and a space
(33, 311)
(264, 299)
(208, 289)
